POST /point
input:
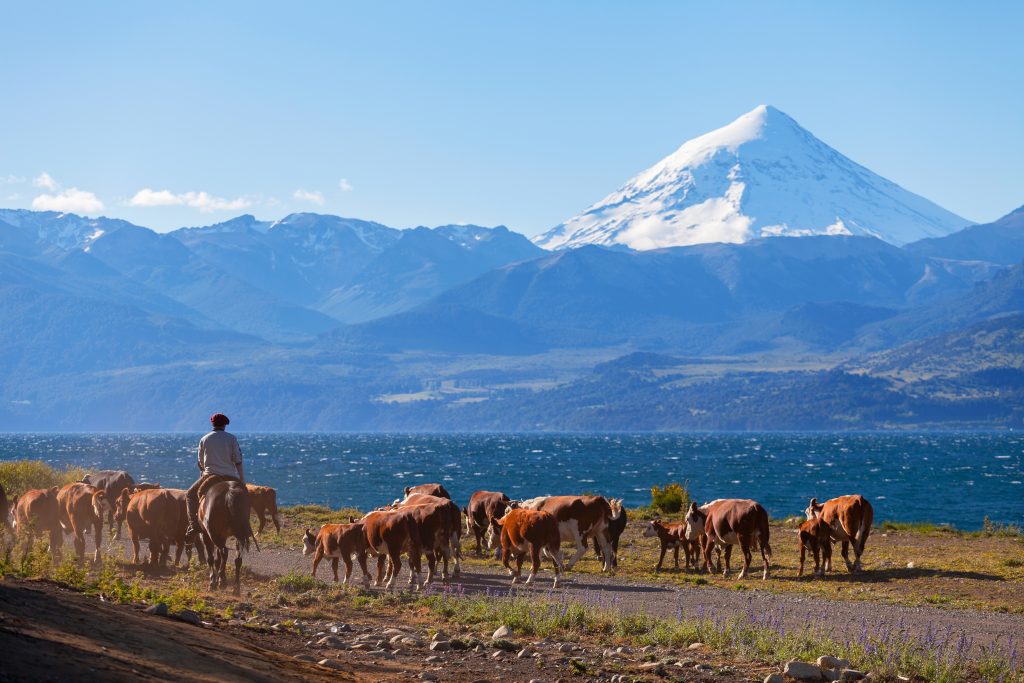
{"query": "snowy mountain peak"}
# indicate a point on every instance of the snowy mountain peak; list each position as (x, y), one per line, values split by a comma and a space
(762, 175)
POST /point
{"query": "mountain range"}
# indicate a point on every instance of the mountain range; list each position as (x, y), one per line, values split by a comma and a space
(844, 302)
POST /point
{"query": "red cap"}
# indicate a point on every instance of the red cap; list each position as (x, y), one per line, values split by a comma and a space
(219, 420)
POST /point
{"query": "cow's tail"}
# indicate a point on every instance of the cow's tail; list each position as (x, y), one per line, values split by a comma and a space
(237, 500)
(867, 518)
(273, 512)
(764, 539)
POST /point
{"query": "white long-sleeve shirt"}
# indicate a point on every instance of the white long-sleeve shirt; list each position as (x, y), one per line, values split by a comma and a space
(219, 454)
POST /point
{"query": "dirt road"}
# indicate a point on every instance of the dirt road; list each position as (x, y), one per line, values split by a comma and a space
(843, 620)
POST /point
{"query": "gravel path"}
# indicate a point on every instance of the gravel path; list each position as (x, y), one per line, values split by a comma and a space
(842, 619)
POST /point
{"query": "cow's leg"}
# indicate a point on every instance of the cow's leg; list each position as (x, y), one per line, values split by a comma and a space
(745, 545)
(479, 536)
(817, 560)
(361, 556)
(79, 542)
(728, 557)
(675, 556)
(135, 546)
(661, 558)
(455, 548)
(97, 527)
(334, 568)
(57, 542)
(318, 555)
(520, 556)
(576, 538)
(826, 557)
(803, 557)
(858, 546)
(846, 557)
(535, 560)
(179, 546)
(381, 559)
(556, 559)
(262, 515)
(506, 556)
(347, 559)
(395, 566)
(608, 554)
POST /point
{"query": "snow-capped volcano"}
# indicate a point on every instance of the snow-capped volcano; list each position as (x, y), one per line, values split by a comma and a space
(761, 175)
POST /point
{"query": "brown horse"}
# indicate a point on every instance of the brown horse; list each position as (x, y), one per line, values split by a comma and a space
(224, 514)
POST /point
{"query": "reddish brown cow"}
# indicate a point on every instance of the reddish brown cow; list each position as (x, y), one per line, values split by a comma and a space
(672, 536)
(338, 541)
(82, 507)
(737, 522)
(389, 533)
(529, 531)
(430, 489)
(815, 535)
(439, 521)
(484, 507)
(263, 501)
(850, 519)
(224, 514)
(580, 518)
(37, 512)
(113, 482)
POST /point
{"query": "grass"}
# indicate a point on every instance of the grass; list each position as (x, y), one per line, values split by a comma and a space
(18, 476)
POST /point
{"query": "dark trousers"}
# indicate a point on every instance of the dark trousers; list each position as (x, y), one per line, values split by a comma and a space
(196, 491)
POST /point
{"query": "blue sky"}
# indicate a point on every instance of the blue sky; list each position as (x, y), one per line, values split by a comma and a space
(519, 114)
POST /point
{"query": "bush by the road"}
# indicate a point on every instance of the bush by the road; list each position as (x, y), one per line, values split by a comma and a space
(671, 498)
(18, 476)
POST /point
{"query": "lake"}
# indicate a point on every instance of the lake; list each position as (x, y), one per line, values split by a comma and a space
(954, 479)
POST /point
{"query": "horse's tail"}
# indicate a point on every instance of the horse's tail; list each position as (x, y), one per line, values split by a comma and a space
(237, 500)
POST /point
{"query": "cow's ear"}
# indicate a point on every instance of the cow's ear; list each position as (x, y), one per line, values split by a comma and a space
(814, 502)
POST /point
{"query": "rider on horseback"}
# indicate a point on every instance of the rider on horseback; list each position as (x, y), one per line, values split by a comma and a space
(219, 460)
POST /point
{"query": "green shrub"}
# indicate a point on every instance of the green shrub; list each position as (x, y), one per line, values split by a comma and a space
(671, 498)
(18, 476)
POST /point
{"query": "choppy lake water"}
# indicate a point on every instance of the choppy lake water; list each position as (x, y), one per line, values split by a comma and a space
(955, 479)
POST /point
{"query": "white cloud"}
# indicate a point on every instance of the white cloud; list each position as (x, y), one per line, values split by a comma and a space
(46, 181)
(11, 179)
(203, 201)
(307, 196)
(70, 200)
(344, 185)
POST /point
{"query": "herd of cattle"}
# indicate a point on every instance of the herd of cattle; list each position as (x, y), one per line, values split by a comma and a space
(424, 523)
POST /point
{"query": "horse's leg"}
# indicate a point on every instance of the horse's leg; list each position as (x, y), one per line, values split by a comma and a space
(238, 567)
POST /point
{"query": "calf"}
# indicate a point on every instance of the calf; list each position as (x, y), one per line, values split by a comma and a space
(338, 541)
(113, 482)
(37, 512)
(580, 518)
(484, 507)
(815, 535)
(389, 533)
(430, 489)
(671, 536)
(849, 518)
(263, 501)
(529, 531)
(82, 507)
(737, 522)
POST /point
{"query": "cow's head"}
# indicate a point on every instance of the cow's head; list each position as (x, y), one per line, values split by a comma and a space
(651, 530)
(408, 490)
(814, 508)
(695, 520)
(616, 505)
(308, 542)
(121, 505)
(100, 503)
(513, 505)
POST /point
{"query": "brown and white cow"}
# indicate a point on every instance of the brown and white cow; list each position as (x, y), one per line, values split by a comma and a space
(338, 541)
(430, 489)
(672, 536)
(850, 519)
(37, 512)
(580, 518)
(440, 524)
(81, 508)
(529, 531)
(615, 529)
(263, 501)
(483, 508)
(733, 521)
(816, 536)
(113, 482)
(389, 533)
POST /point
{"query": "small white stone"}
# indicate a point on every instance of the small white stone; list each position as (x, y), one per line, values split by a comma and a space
(502, 632)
